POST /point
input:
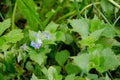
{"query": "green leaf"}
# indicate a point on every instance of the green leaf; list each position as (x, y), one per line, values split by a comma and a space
(88, 41)
(27, 9)
(107, 7)
(51, 27)
(29, 66)
(60, 36)
(96, 24)
(34, 77)
(64, 28)
(70, 77)
(13, 36)
(71, 68)
(110, 61)
(80, 26)
(92, 76)
(69, 38)
(109, 32)
(2, 67)
(96, 35)
(4, 25)
(107, 60)
(95, 56)
(32, 34)
(5, 46)
(1, 41)
(82, 61)
(53, 74)
(108, 42)
(61, 57)
(49, 16)
(9, 58)
(92, 38)
(1, 77)
(58, 68)
(39, 58)
(51, 40)
(103, 60)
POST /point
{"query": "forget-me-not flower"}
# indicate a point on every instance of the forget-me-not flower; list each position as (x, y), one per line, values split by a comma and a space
(36, 44)
(35, 35)
(38, 37)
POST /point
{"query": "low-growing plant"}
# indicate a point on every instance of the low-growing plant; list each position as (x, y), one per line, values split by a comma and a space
(46, 46)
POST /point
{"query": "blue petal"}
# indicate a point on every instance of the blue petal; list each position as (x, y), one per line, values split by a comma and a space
(36, 45)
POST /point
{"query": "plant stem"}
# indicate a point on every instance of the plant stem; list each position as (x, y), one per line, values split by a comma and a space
(77, 9)
(110, 75)
(74, 12)
(1, 16)
(66, 15)
(114, 3)
(96, 3)
(116, 21)
(13, 15)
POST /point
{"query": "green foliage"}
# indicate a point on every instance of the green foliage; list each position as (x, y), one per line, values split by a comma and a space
(107, 7)
(8, 61)
(60, 36)
(1, 41)
(53, 74)
(34, 77)
(59, 40)
(80, 26)
(4, 25)
(69, 38)
(107, 60)
(13, 36)
(38, 58)
(27, 9)
(61, 57)
(72, 68)
(70, 77)
(96, 24)
(82, 61)
(51, 27)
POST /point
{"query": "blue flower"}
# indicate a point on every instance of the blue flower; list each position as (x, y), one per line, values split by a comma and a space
(35, 35)
(47, 35)
(37, 44)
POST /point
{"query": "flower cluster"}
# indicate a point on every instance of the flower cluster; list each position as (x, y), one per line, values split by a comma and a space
(38, 39)
(37, 44)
